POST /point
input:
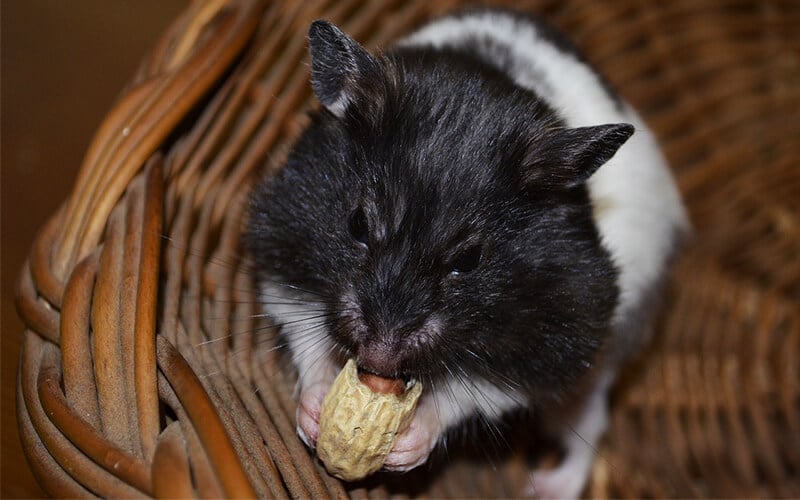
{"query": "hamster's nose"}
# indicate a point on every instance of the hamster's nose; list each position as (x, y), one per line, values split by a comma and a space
(378, 358)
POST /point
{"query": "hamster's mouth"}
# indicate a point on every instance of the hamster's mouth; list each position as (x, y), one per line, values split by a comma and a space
(408, 381)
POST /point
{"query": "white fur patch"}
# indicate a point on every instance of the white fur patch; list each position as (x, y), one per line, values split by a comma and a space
(303, 325)
(454, 400)
(340, 105)
(580, 443)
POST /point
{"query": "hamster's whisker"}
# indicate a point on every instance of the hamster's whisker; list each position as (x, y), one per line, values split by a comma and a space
(242, 302)
(210, 374)
(438, 410)
(596, 451)
(290, 302)
(257, 299)
(258, 329)
(196, 253)
(211, 341)
(313, 326)
(295, 287)
(299, 300)
(232, 334)
(248, 317)
(323, 352)
(307, 330)
(310, 343)
(303, 338)
(301, 320)
(474, 392)
(508, 382)
(450, 393)
(322, 307)
(491, 422)
(277, 347)
(302, 329)
(304, 312)
(232, 288)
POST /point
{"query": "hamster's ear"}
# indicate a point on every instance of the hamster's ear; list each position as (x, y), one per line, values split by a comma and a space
(570, 156)
(338, 64)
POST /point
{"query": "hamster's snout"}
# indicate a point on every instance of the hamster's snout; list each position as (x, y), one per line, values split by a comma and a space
(381, 358)
(387, 352)
(390, 352)
(383, 341)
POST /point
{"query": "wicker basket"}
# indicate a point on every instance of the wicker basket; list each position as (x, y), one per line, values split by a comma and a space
(141, 373)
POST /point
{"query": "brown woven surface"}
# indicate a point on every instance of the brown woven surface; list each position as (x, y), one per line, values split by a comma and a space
(144, 373)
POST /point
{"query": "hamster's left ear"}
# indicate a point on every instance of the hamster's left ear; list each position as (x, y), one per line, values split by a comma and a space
(338, 66)
(570, 156)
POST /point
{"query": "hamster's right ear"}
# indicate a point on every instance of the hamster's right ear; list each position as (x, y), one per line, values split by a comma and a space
(338, 64)
(569, 156)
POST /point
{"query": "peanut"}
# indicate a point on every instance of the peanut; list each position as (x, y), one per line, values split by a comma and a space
(362, 415)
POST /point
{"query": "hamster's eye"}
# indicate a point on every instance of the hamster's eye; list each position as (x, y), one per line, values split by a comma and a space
(467, 260)
(358, 227)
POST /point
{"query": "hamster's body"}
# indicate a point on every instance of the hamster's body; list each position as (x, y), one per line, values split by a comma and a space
(515, 85)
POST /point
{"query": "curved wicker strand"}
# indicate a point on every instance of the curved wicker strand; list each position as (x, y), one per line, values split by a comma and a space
(38, 314)
(48, 284)
(200, 16)
(245, 437)
(144, 358)
(76, 352)
(113, 388)
(128, 468)
(43, 356)
(204, 481)
(48, 472)
(197, 404)
(172, 476)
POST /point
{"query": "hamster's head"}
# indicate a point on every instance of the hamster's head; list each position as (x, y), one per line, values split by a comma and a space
(438, 216)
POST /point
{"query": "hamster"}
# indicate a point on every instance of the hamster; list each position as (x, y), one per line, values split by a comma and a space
(474, 209)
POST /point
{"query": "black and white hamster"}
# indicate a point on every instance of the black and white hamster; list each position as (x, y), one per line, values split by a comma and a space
(473, 209)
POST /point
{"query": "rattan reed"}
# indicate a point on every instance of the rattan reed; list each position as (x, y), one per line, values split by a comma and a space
(141, 373)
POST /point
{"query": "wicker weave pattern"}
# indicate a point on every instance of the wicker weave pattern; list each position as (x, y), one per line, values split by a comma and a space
(145, 372)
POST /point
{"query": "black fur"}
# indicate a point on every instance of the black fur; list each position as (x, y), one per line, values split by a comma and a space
(477, 215)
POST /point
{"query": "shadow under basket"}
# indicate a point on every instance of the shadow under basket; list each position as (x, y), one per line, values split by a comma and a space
(145, 371)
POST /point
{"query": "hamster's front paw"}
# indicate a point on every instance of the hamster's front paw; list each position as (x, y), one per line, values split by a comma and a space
(309, 411)
(414, 445)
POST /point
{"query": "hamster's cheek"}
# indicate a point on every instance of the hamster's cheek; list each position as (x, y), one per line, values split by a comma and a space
(309, 410)
(414, 445)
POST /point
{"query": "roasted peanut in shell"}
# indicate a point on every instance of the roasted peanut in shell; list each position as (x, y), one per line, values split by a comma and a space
(362, 415)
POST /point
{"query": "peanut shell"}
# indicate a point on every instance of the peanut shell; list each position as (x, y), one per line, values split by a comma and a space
(358, 427)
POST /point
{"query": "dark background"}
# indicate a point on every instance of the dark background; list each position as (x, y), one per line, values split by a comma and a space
(62, 64)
